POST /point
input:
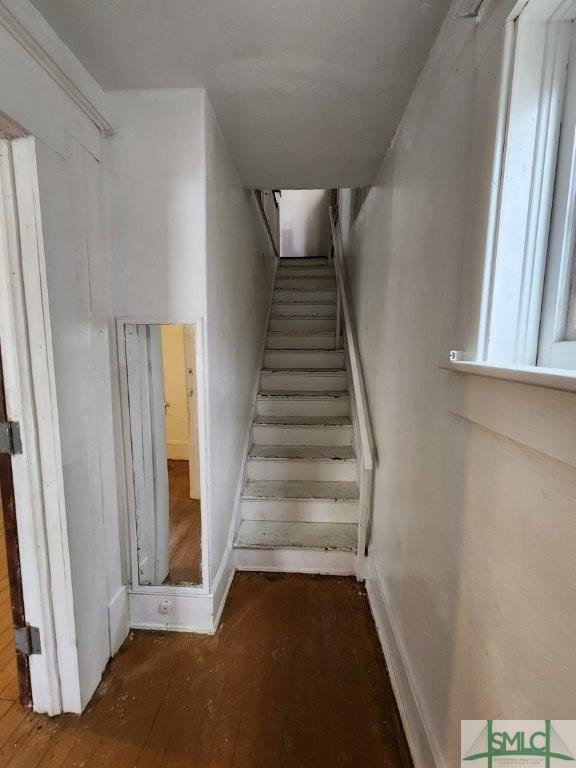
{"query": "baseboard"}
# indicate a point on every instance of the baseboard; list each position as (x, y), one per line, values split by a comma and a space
(327, 563)
(189, 612)
(221, 587)
(177, 450)
(424, 753)
(119, 618)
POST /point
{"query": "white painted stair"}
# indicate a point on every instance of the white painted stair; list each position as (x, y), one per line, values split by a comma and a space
(299, 506)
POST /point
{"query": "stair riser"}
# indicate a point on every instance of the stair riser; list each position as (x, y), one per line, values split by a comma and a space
(301, 308)
(304, 382)
(303, 263)
(299, 359)
(287, 469)
(288, 323)
(295, 561)
(300, 510)
(305, 272)
(307, 283)
(333, 406)
(286, 294)
(301, 341)
(281, 435)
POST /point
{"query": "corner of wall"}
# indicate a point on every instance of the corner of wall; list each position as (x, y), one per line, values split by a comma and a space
(119, 616)
(424, 751)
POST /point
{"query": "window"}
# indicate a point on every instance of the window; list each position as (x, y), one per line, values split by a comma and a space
(557, 343)
(528, 313)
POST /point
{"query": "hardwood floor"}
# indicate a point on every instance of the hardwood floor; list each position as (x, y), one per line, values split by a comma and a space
(185, 530)
(8, 680)
(294, 678)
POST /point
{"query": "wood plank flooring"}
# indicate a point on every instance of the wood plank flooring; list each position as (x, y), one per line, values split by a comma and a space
(294, 678)
(8, 680)
(185, 528)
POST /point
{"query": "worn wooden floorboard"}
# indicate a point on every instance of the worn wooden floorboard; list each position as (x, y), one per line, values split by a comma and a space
(294, 678)
(185, 528)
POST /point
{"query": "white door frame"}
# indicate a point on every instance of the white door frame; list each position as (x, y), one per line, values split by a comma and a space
(148, 444)
(31, 400)
(168, 590)
(193, 438)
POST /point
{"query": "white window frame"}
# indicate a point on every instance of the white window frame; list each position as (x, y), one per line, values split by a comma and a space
(555, 349)
(534, 86)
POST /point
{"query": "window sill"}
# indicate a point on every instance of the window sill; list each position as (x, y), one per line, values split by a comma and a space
(549, 378)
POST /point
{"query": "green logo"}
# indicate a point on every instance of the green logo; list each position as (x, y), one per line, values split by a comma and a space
(544, 744)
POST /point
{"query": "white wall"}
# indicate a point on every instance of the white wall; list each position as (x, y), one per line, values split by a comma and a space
(240, 271)
(187, 244)
(68, 150)
(304, 223)
(157, 203)
(474, 527)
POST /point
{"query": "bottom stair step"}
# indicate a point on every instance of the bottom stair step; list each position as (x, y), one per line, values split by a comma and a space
(288, 535)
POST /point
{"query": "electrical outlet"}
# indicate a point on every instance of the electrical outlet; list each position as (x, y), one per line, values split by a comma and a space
(165, 606)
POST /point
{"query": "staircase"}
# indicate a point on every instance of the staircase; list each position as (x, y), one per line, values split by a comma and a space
(299, 505)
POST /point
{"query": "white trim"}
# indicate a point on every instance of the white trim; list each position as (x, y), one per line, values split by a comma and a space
(119, 613)
(365, 446)
(548, 378)
(496, 188)
(38, 479)
(221, 586)
(39, 54)
(189, 612)
(368, 457)
(524, 196)
(555, 348)
(142, 607)
(425, 752)
(532, 86)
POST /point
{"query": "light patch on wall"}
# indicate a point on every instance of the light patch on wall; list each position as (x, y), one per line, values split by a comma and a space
(174, 364)
(304, 223)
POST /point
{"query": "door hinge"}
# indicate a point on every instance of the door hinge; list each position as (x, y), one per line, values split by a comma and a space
(27, 640)
(10, 441)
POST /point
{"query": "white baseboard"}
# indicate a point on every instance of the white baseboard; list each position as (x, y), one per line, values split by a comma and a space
(197, 612)
(119, 618)
(424, 753)
(189, 612)
(221, 586)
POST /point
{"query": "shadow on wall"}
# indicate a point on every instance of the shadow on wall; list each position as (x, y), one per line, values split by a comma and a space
(304, 223)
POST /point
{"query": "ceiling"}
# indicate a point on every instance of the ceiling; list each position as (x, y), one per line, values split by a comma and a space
(308, 92)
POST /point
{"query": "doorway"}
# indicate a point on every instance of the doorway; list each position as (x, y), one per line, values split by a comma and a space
(14, 663)
(181, 427)
(37, 599)
(163, 453)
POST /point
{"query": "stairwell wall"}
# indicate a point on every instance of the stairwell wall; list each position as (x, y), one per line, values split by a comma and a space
(472, 549)
(240, 273)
